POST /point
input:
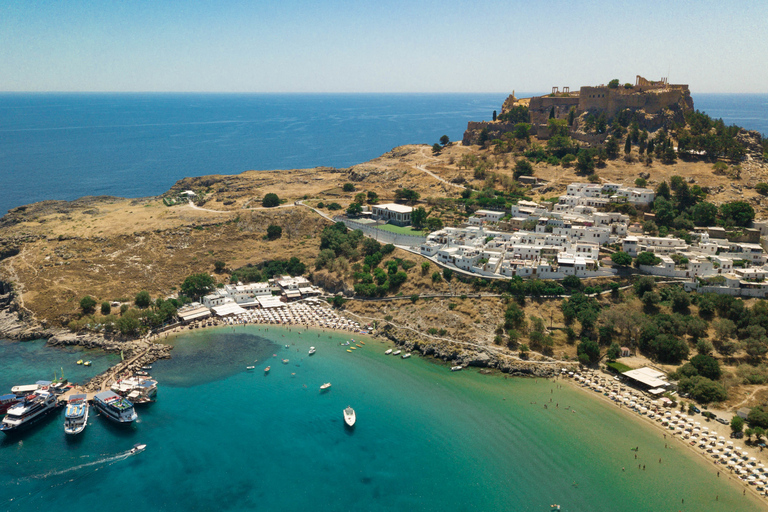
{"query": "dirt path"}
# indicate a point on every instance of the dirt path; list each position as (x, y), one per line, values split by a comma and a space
(438, 178)
(749, 397)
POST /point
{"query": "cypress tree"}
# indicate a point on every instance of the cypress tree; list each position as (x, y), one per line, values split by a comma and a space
(571, 116)
(552, 112)
(628, 145)
(494, 115)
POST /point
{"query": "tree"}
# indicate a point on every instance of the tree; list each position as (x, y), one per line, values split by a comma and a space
(406, 194)
(142, 300)
(447, 274)
(436, 148)
(444, 140)
(614, 84)
(572, 283)
(274, 232)
(270, 200)
(704, 214)
(523, 168)
(373, 197)
(418, 217)
(628, 146)
(105, 308)
(612, 147)
(354, 210)
(762, 188)
(585, 164)
(557, 127)
(197, 285)
(737, 424)
(522, 131)
(614, 352)
(707, 366)
(588, 352)
(360, 197)
(647, 258)
(621, 259)
(87, 304)
(436, 277)
(348, 187)
(737, 213)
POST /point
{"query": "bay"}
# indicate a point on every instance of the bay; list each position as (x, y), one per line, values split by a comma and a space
(220, 437)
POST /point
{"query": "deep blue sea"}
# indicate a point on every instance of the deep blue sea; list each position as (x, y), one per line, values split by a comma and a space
(223, 438)
(65, 146)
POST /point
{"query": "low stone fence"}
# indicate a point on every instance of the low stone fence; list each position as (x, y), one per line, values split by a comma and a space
(387, 237)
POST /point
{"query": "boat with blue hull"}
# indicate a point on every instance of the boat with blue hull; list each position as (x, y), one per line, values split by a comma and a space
(115, 407)
(29, 411)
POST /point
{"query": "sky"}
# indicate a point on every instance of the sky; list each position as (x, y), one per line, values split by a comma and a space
(379, 46)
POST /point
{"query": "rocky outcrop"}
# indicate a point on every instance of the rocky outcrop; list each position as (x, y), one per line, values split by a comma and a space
(482, 357)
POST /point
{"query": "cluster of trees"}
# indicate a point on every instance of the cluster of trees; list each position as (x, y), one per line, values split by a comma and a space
(130, 321)
(678, 208)
(420, 219)
(704, 137)
(356, 207)
(265, 270)
(699, 377)
(372, 280)
(444, 140)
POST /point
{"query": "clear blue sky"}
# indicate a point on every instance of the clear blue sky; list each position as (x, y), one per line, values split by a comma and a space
(379, 46)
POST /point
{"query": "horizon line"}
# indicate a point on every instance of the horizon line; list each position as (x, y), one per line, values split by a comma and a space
(307, 92)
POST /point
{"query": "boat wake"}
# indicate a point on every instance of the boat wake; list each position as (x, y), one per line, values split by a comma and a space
(106, 461)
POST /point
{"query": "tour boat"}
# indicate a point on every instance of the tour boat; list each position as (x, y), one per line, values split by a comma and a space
(137, 389)
(396, 353)
(8, 401)
(76, 417)
(456, 368)
(406, 356)
(349, 416)
(311, 350)
(325, 386)
(28, 412)
(389, 351)
(115, 407)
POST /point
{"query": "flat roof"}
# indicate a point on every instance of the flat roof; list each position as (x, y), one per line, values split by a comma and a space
(399, 208)
(228, 309)
(648, 376)
(270, 301)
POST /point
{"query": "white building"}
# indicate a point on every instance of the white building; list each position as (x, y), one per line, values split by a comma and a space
(394, 213)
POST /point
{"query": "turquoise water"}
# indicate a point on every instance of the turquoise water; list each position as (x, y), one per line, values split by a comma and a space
(222, 438)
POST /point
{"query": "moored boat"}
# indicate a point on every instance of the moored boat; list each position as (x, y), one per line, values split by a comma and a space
(115, 407)
(311, 350)
(406, 356)
(389, 351)
(349, 416)
(137, 389)
(396, 353)
(325, 386)
(250, 367)
(456, 368)
(87, 363)
(79, 361)
(29, 411)
(266, 370)
(76, 416)
(8, 401)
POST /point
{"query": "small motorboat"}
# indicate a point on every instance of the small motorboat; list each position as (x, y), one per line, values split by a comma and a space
(141, 373)
(456, 368)
(325, 386)
(286, 361)
(312, 350)
(396, 353)
(406, 356)
(138, 448)
(250, 367)
(389, 351)
(147, 368)
(80, 361)
(349, 416)
(287, 346)
(266, 370)
(87, 363)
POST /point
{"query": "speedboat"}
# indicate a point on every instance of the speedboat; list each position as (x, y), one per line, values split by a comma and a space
(406, 356)
(456, 368)
(146, 367)
(396, 353)
(311, 350)
(389, 351)
(325, 386)
(76, 417)
(349, 416)
(250, 367)
(138, 448)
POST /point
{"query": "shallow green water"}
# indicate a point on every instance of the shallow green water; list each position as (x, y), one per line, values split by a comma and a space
(220, 437)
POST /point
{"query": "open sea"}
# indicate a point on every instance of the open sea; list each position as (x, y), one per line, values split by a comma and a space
(223, 438)
(65, 146)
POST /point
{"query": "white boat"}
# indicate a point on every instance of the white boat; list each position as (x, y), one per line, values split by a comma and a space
(28, 412)
(325, 386)
(138, 448)
(406, 356)
(115, 407)
(311, 350)
(76, 417)
(456, 368)
(250, 367)
(349, 416)
(396, 353)
(137, 389)
(389, 351)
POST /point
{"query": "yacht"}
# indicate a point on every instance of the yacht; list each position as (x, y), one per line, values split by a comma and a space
(29, 411)
(76, 417)
(349, 416)
(115, 407)
(406, 356)
(396, 353)
(325, 386)
(389, 351)
(311, 350)
(137, 389)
